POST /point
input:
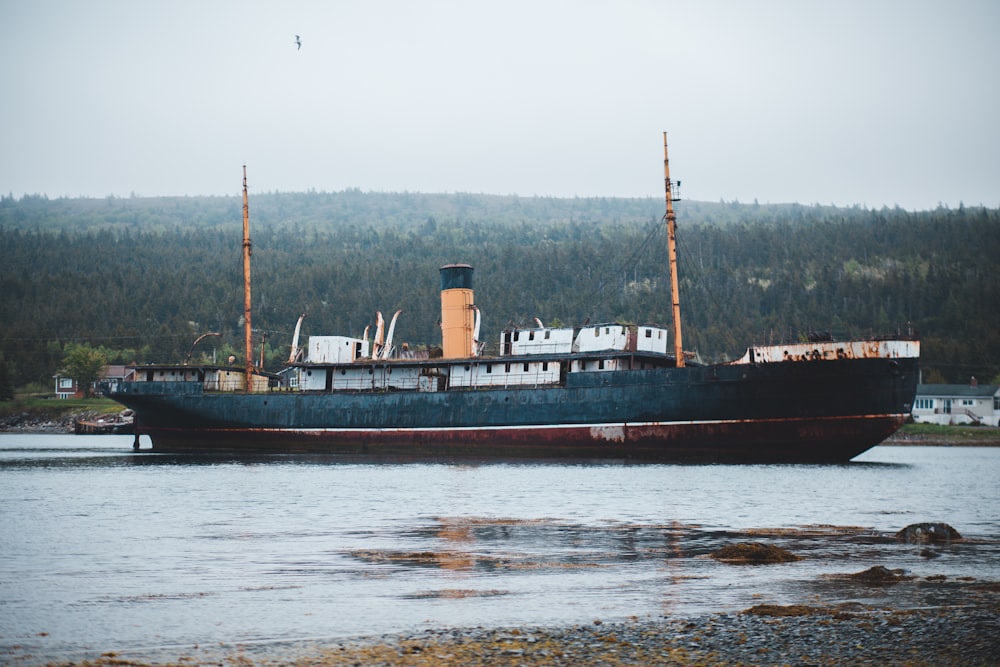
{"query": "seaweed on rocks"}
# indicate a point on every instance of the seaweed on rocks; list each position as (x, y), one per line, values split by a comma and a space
(879, 576)
(754, 553)
(923, 533)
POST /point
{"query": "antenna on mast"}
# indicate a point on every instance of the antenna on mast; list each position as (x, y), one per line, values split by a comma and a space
(675, 297)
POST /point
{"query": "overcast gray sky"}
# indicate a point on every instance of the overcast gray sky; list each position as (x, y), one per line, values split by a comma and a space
(871, 102)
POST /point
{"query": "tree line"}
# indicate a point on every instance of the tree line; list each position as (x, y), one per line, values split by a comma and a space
(140, 279)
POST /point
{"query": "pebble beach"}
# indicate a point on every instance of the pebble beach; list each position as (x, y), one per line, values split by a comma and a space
(967, 634)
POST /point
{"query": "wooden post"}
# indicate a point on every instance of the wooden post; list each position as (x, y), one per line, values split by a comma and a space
(675, 296)
(247, 330)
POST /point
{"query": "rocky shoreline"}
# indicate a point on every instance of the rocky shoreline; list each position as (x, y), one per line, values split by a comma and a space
(24, 422)
(967, 633)
(775, 636)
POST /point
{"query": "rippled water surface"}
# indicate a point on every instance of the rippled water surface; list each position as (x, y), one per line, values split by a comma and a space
(105, 549)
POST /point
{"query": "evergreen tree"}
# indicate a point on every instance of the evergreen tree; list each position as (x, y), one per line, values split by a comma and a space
(6, 381)
(84, 364)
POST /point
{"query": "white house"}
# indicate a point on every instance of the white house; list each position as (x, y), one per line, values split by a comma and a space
(971, 403)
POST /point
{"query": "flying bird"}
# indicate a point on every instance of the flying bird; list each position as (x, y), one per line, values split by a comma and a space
(298, 43)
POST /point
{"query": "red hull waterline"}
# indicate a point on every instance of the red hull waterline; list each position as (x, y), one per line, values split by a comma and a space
(806, 440)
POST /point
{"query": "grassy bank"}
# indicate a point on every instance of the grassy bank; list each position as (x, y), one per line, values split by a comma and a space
(933, 434)
(40, 407)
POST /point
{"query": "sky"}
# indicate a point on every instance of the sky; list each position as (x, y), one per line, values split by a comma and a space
(845, 102)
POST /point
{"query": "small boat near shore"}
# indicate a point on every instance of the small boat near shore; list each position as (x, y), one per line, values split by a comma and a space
(116, 423)
(605, 391)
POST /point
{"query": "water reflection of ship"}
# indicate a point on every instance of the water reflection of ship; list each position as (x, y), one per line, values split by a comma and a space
(459, 539)
(673, 561)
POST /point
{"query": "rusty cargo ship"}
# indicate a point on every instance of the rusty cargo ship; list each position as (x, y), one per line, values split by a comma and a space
(607, 392)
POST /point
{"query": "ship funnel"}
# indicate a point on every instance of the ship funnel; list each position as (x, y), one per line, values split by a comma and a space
(458, 314)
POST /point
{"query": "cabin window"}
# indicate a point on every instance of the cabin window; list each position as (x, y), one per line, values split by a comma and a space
(649, 333)
(600, 364)
(489, 368)
(597, 332)
(531, 335)
(517, 335)
(343, 371)
(370, 370)
(468, 368)
(526, 368)
(547, 334)
(506, 368)
(545, 366)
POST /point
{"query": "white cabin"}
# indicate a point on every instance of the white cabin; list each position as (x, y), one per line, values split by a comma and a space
(651, 339)
(536, 341)
(500, 373)
(362, 377)
(336, 349)
(601, 338)
(213, 378)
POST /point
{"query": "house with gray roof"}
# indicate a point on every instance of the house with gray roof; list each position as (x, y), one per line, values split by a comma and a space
(971, 403)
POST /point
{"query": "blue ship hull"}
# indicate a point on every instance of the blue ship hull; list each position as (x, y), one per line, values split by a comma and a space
(784, 411)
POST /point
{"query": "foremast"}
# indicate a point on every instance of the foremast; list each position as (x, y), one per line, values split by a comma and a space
(247, 329)
(671, 219)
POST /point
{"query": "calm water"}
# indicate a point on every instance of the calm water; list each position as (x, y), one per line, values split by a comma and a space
(104, 549)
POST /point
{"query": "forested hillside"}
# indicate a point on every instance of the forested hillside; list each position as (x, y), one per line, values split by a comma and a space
(142, 278)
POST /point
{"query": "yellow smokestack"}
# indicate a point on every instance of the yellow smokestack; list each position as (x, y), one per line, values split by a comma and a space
(457, 311)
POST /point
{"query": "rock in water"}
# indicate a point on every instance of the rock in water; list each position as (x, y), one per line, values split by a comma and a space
(754, 553)
(879, 576)
(935, 533)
